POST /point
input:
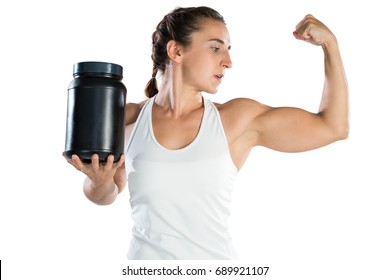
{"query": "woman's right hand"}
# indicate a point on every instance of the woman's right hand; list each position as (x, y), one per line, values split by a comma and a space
(104, 180)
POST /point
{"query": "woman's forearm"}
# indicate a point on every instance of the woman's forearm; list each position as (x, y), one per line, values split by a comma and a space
(101, 194)
(334, 107)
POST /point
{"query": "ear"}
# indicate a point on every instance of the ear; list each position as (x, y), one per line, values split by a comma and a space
(174, 51)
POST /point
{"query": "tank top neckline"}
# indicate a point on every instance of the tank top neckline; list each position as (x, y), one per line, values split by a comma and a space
(192, 143)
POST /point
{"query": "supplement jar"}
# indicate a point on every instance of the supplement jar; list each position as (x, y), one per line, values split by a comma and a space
(96, 111)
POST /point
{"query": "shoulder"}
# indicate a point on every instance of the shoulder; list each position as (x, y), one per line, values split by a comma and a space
(237, 114)
(133, 110)
(241, 108)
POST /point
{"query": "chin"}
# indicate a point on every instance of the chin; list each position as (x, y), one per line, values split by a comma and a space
(213, 91)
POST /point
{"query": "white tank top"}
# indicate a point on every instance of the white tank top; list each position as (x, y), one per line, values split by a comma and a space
(180, 199)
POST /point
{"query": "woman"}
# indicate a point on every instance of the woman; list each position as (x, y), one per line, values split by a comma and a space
(184, 152)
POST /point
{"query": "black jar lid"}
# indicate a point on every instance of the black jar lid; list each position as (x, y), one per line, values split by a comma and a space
(97, 67)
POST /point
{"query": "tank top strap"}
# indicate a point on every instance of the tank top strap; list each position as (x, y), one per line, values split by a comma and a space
(141, 118)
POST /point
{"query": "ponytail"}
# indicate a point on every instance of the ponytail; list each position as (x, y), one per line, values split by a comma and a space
(151, 88)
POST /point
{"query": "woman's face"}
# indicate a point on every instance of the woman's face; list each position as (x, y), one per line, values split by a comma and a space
(204, 62)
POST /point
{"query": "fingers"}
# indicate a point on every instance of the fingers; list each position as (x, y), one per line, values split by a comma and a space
(304, 20)
(77, 163)
(302, 29)
(120, 164)
(96, 166)
(110, 162)
(71, 161)
(121, 160)
(95, 162)
(312, 30)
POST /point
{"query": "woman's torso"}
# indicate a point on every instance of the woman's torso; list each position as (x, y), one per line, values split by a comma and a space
(180, 198)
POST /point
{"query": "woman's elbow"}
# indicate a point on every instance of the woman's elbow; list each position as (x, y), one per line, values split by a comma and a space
(342, 131)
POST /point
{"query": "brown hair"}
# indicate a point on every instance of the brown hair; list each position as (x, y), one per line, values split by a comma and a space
(178, 25)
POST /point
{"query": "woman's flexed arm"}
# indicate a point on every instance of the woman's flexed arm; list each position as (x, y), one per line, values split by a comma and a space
(249, 123)
(293, 129)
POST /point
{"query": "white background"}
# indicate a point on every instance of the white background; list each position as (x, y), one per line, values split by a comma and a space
(323, 214)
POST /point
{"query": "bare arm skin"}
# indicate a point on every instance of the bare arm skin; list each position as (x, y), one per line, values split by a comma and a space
(104, 181)
(249, 123)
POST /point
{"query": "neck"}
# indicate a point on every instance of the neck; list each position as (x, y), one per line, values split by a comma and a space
(176, 98)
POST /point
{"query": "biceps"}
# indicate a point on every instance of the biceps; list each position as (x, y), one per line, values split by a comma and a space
(291, 130)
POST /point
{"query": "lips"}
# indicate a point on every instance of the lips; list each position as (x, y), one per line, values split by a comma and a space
(219, 77)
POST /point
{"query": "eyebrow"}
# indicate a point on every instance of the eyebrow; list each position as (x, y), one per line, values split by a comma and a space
(220, 41)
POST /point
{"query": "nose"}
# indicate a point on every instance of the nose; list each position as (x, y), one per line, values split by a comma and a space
(227, 61)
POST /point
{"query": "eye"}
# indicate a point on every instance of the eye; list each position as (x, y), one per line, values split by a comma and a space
(215, 48)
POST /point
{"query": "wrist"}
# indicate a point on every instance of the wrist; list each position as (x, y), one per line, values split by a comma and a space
(100, 193)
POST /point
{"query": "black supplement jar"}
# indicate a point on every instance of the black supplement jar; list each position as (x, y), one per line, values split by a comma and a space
(95, 121)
